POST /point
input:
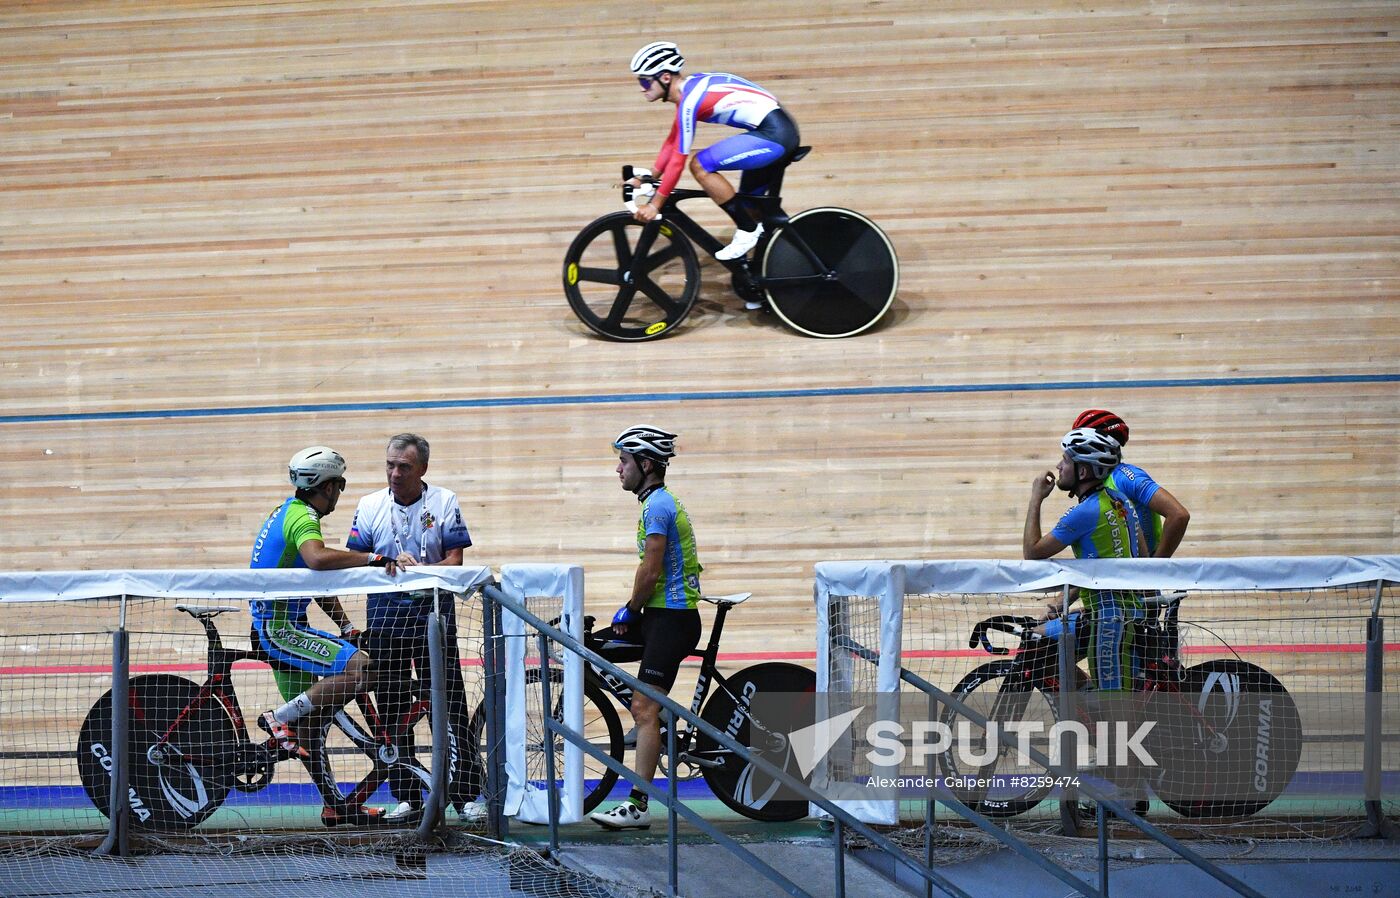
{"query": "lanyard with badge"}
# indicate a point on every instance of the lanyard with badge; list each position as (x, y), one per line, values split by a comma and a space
(422, 557)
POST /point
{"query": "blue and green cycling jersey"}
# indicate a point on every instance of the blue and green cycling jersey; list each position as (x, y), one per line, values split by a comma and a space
(278, 546)
(679, 583)
(1103, 525)
(1139, 487)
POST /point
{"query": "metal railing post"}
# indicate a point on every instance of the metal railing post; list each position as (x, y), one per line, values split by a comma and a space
(440, 720)
(492, 665)
(729, 744)
(547, 711)
(1102, 816)
(119, 807)
(931, 809)
(838, 840)
(673, 869)
(1069, 746)
(1375, 685)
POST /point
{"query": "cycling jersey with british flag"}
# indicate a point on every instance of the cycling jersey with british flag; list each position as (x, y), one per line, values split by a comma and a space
(717, 98)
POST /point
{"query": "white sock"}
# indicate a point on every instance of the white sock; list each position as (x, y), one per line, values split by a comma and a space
(293, 709)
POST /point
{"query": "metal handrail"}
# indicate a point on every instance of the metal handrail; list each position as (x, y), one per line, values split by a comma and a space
(1102, 798)
(843, 817)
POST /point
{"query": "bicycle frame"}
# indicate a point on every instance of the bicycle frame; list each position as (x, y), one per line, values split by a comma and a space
(1162, 674)
(773, 217)
(709, 677)
(218, 686)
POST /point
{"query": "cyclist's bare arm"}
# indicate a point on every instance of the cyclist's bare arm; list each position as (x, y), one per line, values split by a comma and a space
(1034, 546)
(320, 557)
(336, 612)
(648, 572)
(1175, 517)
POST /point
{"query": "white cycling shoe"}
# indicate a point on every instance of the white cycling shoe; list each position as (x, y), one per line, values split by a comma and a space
(473, 813)
(404, 812)
(743, 242)
(625, 816)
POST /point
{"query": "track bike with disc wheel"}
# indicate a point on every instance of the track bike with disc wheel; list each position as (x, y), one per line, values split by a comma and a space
(189, 746)
(735, 781)
(825, 272)
(1227, 738)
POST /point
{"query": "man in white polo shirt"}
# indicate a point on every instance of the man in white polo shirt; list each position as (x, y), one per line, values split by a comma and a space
(414, 518)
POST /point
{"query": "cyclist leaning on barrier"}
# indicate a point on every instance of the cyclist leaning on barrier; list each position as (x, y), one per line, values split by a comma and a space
(770, 139)
(661, 615)
(1103, 525)
(424, 522)
(1163, 517)
(290, 538)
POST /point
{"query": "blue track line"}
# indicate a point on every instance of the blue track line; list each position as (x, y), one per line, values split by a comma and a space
(705, 396)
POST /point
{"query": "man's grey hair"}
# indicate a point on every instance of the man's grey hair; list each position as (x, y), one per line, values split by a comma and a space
(404, 440)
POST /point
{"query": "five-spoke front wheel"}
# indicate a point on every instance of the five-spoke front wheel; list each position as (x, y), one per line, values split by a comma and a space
(631, 282)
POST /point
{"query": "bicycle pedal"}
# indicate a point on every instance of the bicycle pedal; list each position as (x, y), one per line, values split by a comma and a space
(700, 762)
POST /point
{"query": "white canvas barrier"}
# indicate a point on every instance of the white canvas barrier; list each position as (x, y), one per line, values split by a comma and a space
(561, 586)
(232, 583)
(840, 586)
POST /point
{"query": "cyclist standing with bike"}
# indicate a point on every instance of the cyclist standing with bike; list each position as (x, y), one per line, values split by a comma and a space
(1103, 525)
(1162, 516)
(661, 614)
(299, 655)
(770, 139)
(412, 518)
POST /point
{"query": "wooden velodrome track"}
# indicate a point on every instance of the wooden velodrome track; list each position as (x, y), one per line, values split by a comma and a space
(228, 231)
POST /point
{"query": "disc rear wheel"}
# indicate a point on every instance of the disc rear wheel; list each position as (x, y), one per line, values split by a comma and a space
(830, 272)
(176, 783)
(741, 785)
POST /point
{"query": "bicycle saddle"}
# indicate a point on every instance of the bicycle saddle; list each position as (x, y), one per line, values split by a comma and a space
(1162, 600)
(205, 610)
(735, 599)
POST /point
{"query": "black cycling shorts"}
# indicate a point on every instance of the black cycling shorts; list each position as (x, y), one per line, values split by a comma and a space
(665, 637)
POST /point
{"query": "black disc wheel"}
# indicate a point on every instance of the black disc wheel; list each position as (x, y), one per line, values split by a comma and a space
(740, 784)
(175, 782)
(631, 282)
(601, 726)
(982, 771)
(1232, 747)
(830, 272)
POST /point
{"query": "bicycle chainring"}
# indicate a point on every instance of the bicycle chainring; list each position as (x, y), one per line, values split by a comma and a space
(685, 768)
(254, 770)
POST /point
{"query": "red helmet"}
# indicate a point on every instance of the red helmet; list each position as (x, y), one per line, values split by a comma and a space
(1106, 423)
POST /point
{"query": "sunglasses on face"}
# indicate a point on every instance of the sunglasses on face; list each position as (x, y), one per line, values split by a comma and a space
(339, 483)
(646, 83)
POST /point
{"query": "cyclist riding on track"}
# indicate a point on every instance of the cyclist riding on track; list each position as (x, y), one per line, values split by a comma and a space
(299, 655)
(661, 615)
(770, 139)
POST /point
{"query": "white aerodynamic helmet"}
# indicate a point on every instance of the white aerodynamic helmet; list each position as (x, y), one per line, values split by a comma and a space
(648, 442)
(1089, 447)
(657, 57)
(313, 466)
